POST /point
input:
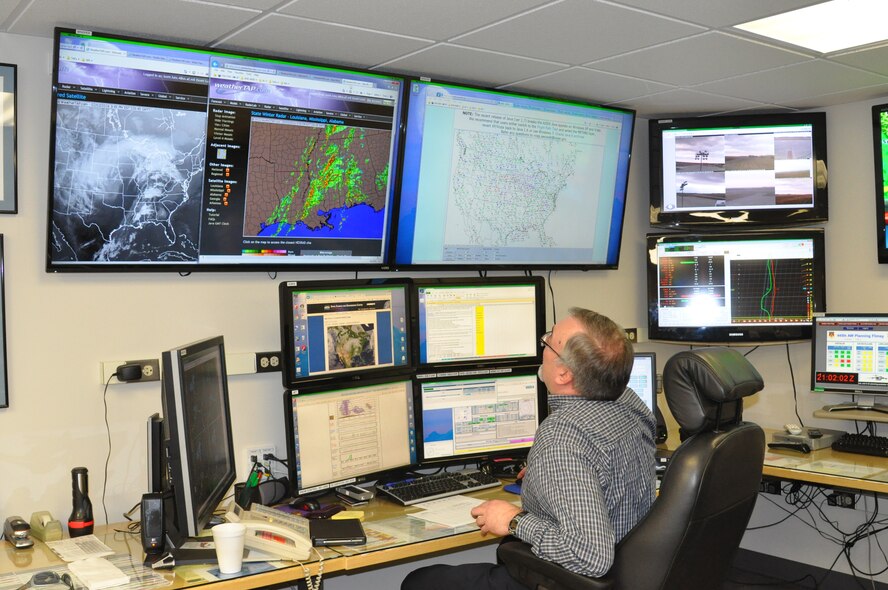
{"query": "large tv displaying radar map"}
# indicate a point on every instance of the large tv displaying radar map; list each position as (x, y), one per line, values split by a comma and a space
(496, 179)
(169, 157)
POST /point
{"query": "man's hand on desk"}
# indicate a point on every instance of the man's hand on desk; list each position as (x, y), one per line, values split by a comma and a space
(493, 516)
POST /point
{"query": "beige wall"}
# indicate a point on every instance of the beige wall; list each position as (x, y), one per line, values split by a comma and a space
(59, 327)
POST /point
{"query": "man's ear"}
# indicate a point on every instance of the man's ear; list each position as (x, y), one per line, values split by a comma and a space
(564, 375)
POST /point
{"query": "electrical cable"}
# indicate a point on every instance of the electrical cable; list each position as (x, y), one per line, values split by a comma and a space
(108, 433)
(795, 397)
(552, 296)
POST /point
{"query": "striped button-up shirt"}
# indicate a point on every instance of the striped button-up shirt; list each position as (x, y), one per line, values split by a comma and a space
(590, 478)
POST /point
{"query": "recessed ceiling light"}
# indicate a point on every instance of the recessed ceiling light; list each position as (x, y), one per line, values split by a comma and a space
(827, 27)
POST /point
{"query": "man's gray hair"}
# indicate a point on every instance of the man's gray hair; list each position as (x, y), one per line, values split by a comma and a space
(600, 357)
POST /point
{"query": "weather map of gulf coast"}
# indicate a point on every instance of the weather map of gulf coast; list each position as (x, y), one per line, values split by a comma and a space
(316, 180)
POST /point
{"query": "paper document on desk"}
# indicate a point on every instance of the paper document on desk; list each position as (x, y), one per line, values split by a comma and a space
(452, 511)
(79, 548)
(98, 573)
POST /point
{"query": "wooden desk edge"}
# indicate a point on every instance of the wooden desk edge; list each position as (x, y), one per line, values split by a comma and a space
(417, 550)
(826, 479)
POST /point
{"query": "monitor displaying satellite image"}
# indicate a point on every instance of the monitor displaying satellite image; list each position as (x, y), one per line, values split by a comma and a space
(184, 158)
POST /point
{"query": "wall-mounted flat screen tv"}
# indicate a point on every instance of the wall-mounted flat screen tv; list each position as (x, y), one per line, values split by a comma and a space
(880, 153)
(495, 179)
(743, 287)
(738, 170)
(178, 158)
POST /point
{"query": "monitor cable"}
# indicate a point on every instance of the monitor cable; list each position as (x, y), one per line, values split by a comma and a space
(124, 373)
(795, 398)
(552, 296)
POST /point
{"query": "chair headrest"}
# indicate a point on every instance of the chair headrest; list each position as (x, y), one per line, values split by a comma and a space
(698, 384)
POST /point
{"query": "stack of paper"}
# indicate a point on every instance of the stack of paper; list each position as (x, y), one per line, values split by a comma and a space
(97, 573)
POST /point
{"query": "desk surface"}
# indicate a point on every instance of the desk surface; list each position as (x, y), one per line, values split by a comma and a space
(827, 467)
(391, 538)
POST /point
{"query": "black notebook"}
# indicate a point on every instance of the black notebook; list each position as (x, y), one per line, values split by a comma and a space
(345, 531)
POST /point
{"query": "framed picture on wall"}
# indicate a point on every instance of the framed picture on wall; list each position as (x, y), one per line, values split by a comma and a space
(8, 183)
(4, 388)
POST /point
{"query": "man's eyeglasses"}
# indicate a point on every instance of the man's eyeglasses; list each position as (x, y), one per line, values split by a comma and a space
(544, 342)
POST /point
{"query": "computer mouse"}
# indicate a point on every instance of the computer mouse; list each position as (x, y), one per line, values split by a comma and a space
(307, 505)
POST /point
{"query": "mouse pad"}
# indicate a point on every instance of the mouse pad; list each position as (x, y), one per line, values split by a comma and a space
(514, 488)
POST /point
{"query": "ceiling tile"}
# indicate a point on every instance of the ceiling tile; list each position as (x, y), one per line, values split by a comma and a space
(589, 85)
(685, 103)
(858, 95)
(194, 23)
(719, 14)
(284, 35)
(6, 8)
(576, 32)
(794, 82)
(428, 19)
(470, 65)
(253, 4)
(689, 62)
(874, 60)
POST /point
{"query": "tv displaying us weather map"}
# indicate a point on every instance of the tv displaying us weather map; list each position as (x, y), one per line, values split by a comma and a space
(880, 156)
(495, 179)
(170, 157)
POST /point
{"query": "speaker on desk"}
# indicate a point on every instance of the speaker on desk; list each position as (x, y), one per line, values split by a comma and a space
(152, 523)
(662, 433)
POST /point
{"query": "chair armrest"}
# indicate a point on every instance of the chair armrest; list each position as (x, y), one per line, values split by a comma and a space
(535, 572)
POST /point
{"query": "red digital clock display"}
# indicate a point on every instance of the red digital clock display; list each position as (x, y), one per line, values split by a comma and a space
(832, 377)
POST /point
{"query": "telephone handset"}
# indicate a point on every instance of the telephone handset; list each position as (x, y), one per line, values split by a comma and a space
(272, 531)
(277, 540)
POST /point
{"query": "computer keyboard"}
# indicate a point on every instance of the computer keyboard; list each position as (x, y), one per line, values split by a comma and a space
(864, 444)
(440, 485)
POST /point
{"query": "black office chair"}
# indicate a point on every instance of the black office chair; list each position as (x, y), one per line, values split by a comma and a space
(689, 537)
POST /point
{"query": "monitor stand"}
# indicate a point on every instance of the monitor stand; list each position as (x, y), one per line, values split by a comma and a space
(863, 404)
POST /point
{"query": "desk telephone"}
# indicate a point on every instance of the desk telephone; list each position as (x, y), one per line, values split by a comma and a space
(273, 531)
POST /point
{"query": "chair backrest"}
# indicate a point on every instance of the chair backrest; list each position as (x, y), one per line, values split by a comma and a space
(689, 537)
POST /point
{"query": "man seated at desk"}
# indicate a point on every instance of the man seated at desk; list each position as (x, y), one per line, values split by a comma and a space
(590, 474)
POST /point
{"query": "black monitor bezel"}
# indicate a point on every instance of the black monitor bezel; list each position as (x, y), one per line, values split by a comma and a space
(653, 361)
(818, 387)
(620, 189)
(735, 334)
(493, 373)
(285, 289)
(387, 254)
(325, 387)
(184, 520)
(537, 282)
(728, 219)
(881, 188)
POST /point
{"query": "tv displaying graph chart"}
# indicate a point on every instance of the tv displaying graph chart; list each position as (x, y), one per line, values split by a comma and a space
(750, 287)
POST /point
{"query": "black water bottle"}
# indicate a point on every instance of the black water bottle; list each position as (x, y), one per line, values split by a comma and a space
(81, 520)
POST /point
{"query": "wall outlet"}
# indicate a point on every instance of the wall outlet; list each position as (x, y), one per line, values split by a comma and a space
(268, 362)
(841, 499)
(150, 370)
(277, 468)
(770, 485)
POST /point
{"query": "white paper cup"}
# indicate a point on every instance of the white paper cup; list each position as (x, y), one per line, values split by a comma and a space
(229, 540)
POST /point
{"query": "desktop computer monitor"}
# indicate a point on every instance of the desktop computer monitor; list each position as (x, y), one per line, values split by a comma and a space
(349, 433)
(643, 379)
(478, 321)
(849, 354)
(465, 419)
(344, 328)
(197, 428)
